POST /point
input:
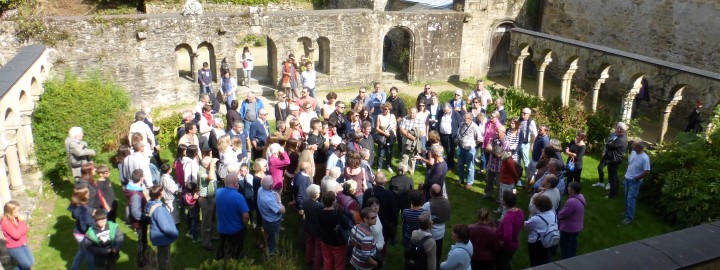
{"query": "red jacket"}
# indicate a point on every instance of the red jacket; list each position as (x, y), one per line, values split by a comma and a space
(508, 174)
(15, 235)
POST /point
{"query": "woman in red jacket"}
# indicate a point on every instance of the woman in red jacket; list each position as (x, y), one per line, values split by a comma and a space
(15, 231)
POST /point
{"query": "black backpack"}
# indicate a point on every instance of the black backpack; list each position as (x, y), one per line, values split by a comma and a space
(415, 257)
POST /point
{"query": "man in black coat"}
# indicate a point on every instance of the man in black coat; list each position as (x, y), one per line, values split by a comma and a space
(388, 208)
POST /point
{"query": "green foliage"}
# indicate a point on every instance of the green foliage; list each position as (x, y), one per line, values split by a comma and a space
(285, 260)
(89, 103)
(684, 186)
(230, 264)
(599, 127)
(251, 40)
(29, 21)
(168, 126)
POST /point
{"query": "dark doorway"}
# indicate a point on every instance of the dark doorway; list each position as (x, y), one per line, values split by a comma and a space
(272, 61)
(398, 53)
(499, 46)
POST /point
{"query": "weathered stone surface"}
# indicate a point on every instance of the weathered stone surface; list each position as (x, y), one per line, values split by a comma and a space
(192, 7)
(679, 31)
(147, 67)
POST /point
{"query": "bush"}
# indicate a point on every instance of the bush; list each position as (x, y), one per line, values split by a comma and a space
(89, 103)
(168, 129)
(684, 186)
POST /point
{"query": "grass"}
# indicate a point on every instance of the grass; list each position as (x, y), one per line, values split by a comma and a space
(602, 224)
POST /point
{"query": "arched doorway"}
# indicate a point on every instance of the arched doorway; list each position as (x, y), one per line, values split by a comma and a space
(305, 47)
(272, 61)
(322, 64)
(499, 46)
(206, 53)
(398, 45)
(184, 61)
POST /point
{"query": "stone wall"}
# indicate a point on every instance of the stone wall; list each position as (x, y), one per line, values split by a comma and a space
(159, 8)
(352, 4)
(483, 17)
(139, 51)
(679, 31)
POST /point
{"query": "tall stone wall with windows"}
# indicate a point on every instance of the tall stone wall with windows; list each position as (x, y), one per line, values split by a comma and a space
(678, 31)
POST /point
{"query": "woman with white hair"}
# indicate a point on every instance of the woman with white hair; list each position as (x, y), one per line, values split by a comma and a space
(77, 151)
(312, 208)
(329, 181)
(272, 209)
(276, 164)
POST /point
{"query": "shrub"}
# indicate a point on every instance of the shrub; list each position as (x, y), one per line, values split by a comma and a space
(168, 129)
(89, 103)
(683, 185)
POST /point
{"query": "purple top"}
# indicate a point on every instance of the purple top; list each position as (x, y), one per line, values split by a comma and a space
(276, 166)
(570, 217)
(509, 230)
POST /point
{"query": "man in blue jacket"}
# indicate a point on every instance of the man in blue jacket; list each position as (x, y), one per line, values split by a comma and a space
(259, 132)
(232, 215)
(162, 226)
(250, 109)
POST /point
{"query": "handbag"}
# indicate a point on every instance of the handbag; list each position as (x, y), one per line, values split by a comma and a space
(571, 165)
(245, 64)
(221, 97)
(343, 235)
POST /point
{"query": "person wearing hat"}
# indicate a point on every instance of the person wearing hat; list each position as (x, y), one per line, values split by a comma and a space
(294, 114)
(458, 103)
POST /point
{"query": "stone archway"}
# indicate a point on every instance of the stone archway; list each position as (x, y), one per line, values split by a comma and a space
(398, 52)
(500, 61)
(272, 62)
(206, 54)
(184, 61)
(323, 62)
(305, 47)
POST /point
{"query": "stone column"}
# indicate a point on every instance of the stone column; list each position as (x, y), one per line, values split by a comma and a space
(5, 194)
(541, 64)
(596, 91)
(566, 84)
(666, 119)
(11, 157)
(193, 64)
(26, 126)
(627, 105)
(518, 61)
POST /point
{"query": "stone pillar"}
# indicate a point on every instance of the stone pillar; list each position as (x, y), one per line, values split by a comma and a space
(596, 91)
(518, 60)
(193, 64)
(26, 126)
(541, 64)
(566, 84)
(5, 194)
(11, 157)
(666, 119)
(627, 105)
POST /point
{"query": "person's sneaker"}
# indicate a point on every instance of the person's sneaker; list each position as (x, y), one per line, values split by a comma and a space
(390, 170)
(626, 221)
(607, 187)
(598, 184)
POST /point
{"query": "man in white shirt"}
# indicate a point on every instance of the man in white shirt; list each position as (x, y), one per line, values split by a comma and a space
(141, 127)
(638, 168)
(308, 78)
(481, 93)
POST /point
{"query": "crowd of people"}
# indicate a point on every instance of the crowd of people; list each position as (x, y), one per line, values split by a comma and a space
(333, 166)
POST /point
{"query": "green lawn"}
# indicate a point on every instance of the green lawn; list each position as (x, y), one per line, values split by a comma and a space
(602, 225)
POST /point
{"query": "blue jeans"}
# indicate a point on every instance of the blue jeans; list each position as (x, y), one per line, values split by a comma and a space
(81, 255)
(385, 155)
(631, 192)
(568, 244)
(23, 256)
(229, 97)
(247, 125)
(206, 89)
(467, 156)
(248, 75)
(273, 233)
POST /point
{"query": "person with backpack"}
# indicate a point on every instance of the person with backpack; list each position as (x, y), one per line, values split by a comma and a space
(103, 240)
(461, 252)
(570, 219)
(136, 203)
(162, 226)
(543, 233)
(420, 254)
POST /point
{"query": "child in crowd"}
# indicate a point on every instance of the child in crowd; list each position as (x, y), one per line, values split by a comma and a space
(103, 240)
(106, 189)
(136, 202)
(190, 200)
(170, 189)
(163, 231)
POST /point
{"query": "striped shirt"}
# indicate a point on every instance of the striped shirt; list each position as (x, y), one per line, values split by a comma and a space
(512, 144)
(410, 221)
(363, 244)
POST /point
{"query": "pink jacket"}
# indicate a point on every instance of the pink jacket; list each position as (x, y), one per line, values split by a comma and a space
(276, 166)
(15, 235)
